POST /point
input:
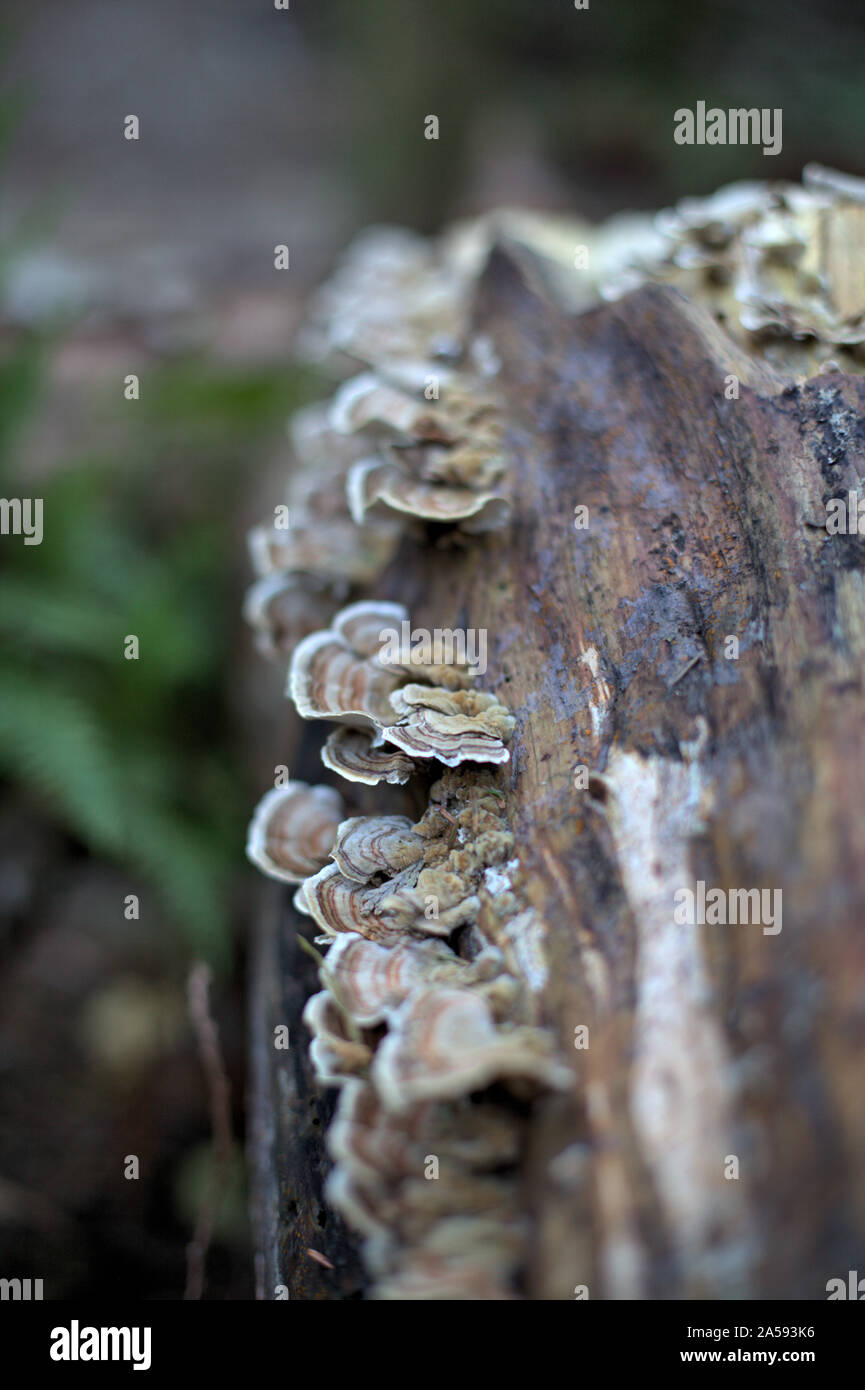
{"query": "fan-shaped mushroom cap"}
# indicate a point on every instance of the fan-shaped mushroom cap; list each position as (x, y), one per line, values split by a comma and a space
(371, 979)
(443, 1042)
(284, 608)
(427, 1205)
(371, 1142)
(473, 464)
(469, 707)
(415, 660)
(370, 845)
(386, 910)
(299, 900)
(365, 1210)
(336, 548)
(450, 856)
(327, 680)
(375, 488)
(453, 726)
(369, 1136)
(379, 1186)
(352, 753)
(293, 829)
(361, 624)
(379, 1182)
(335, 1054)
(322, 542)
(375, 910)
(392, 299)
(367, 401)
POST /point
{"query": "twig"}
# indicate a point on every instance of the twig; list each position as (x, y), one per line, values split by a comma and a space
(219, 1093)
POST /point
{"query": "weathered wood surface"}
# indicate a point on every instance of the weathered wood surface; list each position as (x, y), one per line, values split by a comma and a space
(705, 1041)
(288, 1117)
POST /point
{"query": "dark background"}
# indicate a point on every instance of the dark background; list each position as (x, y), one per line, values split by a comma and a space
(156, 257)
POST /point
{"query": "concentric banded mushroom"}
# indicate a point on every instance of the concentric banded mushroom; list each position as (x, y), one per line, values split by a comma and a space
(379, 911)
(443, 1042)
(393, 299)
(330, 678)
(363, 552)
(372, 979)
(453, 726)
(370, 845)
(293, 829)
(336, 1055)
(352, 753)
(371, 1143)
(379, 1187)
(284, 608)
(361, 624)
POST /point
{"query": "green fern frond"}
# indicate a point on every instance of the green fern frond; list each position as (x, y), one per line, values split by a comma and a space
(55, 621)
(52, 743)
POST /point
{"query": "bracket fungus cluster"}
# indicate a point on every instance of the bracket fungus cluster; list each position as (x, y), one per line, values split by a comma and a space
(421, 1013)
(342, 674)
(412, 438)
(423, 1002)
(773, 261)
(425, 1021)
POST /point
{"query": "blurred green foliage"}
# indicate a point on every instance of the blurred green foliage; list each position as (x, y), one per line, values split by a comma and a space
(134, 758)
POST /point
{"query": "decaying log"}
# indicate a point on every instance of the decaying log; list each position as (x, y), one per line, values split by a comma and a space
(289, 1114)
(705, 522)
(698, 649)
